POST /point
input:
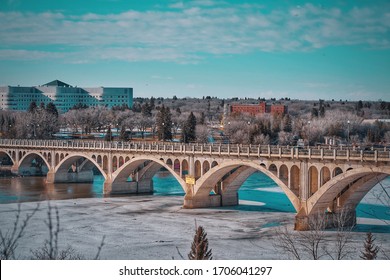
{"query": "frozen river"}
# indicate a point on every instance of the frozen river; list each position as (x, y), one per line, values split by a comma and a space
(156, 226)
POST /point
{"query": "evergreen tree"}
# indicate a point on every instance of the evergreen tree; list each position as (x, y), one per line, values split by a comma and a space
(124, 136)
(188, 131)
(32, 107)
(152, 103)
(146, 110)
(51, 108)
(160, 123)
(359, 105)
(168, 124)
(370, 250)
(164, 123)
(108, 136)
(2, 121)
(287, 123)
(200, 246)
(322, 111)
(202, 118)
(314, 112)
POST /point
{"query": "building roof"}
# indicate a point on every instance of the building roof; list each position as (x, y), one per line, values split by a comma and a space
(57, 83)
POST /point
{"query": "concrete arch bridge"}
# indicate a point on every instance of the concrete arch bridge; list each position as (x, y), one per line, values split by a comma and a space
(317, 180)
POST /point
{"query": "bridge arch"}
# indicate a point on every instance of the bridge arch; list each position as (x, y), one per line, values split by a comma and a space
(176, 166)
(353, 184)
(283, 174)
(205, 167)
(6, 154)
(313, 179)
(205, 184)
(337, 171)
(324, 175)
(26, 160)
(169, 162)
(273, 169)
(121, 175)
(198, 169)
(294, 179)
(66, 163)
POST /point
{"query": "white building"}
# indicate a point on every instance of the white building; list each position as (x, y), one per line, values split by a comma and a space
(64, 96)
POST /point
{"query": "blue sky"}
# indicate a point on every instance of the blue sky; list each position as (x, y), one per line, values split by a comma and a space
(297, 49)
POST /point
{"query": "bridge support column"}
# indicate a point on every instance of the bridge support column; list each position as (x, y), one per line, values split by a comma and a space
(85, 176)
(133, 187)
(229, 199)
(191, 202)
(107, 186)
(304, 188)
(15, 169)
(342, 219)
(50, 177)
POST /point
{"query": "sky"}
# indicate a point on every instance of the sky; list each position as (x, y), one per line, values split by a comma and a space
(297, 49)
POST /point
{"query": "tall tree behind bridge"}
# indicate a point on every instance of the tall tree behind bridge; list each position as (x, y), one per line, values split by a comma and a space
(189, 129)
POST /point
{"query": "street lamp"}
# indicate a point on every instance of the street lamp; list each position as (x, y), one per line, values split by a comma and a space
(249, 134)
(33, 127)
(228, 136)
(309, 134)
(163, 131)
(348, 123)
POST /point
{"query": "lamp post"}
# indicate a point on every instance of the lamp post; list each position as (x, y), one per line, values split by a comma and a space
(173, 130)
(228, 136)
(309, 134)
(249, 133)
(34, 134)
(163, 131)
(348, 123)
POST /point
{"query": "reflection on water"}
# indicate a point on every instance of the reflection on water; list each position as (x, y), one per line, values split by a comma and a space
(23, 189)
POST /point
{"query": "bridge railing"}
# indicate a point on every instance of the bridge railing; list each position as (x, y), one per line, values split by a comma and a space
(205, 149)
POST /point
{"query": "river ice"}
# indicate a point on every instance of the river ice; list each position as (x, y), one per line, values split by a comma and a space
(157, 227)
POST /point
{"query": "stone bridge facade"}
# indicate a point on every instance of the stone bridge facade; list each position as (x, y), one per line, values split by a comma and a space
(317, 180)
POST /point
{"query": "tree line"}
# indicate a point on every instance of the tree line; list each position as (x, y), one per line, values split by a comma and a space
(197, 120)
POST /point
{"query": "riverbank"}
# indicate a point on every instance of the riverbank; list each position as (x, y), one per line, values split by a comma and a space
(156, 227)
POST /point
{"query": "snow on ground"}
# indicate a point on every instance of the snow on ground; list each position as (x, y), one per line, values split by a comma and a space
(157, 227)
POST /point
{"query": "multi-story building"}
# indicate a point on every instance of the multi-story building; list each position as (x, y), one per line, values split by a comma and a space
(64, 96)
(258, 109)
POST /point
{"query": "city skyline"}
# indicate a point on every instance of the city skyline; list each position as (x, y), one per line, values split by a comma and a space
(268, 49)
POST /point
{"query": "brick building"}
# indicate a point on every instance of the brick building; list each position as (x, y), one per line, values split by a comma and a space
(258, 109)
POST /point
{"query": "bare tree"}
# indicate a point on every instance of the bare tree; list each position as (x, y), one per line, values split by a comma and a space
(51, 249)
(315, 243)
(202, 133)
(9, 239)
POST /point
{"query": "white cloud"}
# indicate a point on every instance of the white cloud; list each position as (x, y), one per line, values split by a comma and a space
(177, 5)
(191, 29)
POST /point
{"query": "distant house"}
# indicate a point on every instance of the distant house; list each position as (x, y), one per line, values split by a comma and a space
(258, 109)
(64, 96)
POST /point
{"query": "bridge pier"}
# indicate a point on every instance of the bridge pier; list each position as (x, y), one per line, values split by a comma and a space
(191, 202)
(229, 199)
(342, 219)
(133, 187)
(15, 169)
(85, 176)
(50, 177)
